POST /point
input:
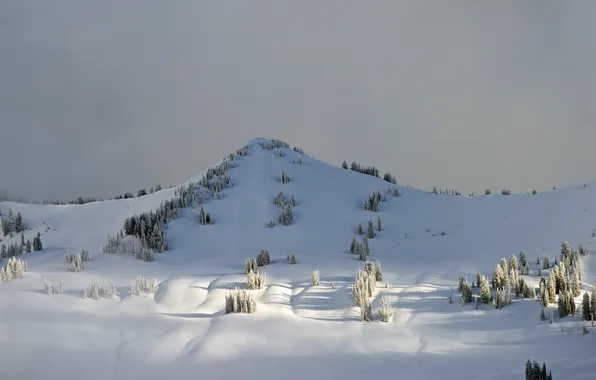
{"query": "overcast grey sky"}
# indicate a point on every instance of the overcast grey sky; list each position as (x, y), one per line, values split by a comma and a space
(102, 97)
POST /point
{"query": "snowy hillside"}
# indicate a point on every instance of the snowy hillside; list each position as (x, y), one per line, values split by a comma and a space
(299, 330)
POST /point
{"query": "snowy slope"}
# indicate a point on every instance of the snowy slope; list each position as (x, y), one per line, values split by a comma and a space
(299, 330)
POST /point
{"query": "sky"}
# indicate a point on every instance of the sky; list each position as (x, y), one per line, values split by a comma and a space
(99, 98)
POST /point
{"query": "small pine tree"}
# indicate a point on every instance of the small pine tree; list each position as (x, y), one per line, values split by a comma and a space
(485, 295)
(542, 315)
(575, 287)
(360, 230)
(28, 246)
(263, 258)
(586, 315)
(522, 259)
(379, 226)
(315, 278)
(370, 232)
(386, 311)
(37, 246)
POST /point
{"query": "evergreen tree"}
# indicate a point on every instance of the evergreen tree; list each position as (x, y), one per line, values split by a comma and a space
(379, 226)
(366, 247)
(499, 277)
(522, 259)
(353, 245)
(529, 372)
(563, 305)
(575, 287)
(18, 223)
(586, 315)
(370, 233)
(360, 231)
(28, 246)
(485, 295)
(571, 302)
(37, 246)
(552, 293)
(22, 239)
(505, 271)
(344, 165)
(5, 227)
(542, 315)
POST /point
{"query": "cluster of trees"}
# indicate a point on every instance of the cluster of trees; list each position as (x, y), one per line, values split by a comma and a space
(291, 258)
(143, 284)
(205, 217)
(52, 288)
(13, 270)
(356, 167)
(97, 290)
(390, 178)
(287, 204)
(282, 201)
(274, 144)
(240, 301)
(285, 178)
(363, 290)
(75, 262)
(535, 372)
(452, 192)
(129, 245)
(373, 203)
(84, 200)
(360, 249)
(17, 249)
(12, 224)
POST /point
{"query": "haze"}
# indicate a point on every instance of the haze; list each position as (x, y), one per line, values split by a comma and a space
(99, 98)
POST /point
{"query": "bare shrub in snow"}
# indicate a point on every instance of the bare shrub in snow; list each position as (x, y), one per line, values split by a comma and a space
(298, 160)
(315, 278)
(240, 301)
(256, 280)
(263, 258)
(250, 266)
(51, 288)
(386, 311)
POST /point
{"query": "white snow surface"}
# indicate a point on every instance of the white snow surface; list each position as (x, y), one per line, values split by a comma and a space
(299, 331)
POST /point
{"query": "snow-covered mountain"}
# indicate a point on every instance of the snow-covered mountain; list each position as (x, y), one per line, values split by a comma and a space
(299, 330)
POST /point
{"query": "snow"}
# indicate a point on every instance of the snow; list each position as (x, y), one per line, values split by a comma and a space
(299, 330)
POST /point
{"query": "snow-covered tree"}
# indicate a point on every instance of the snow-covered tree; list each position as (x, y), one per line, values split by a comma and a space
(240, 301)
(256, 280)
(575, 287)
(263, 258)
(379, 225)
(499, 277)
(505, 268)
(315, 278)
(485, 295)
(385, 311)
